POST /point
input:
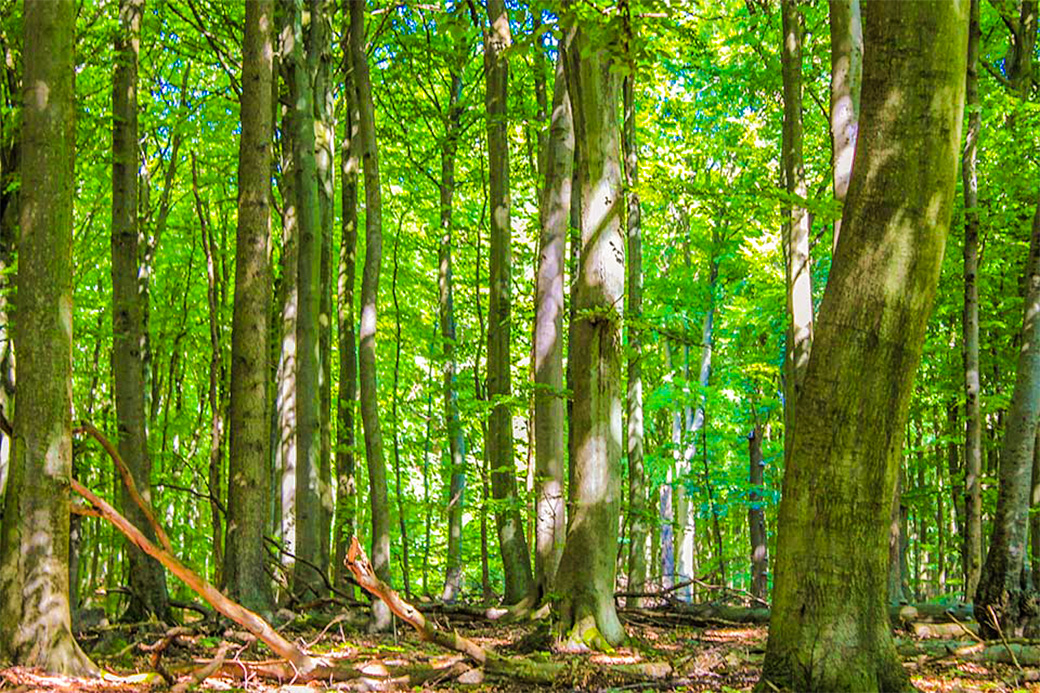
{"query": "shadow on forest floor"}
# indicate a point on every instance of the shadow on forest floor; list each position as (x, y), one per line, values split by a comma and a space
(701, 659)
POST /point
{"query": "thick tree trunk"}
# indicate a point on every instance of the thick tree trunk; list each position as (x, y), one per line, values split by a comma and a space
(970, 322)
(796, 225)
(248, 480)
(34, 543)
(846, 76)
(346, 481)
(587, 568)
(829, 627)
(147, 579)
(516, 563)
(380, 505)
(1001, 584)
(550, 440)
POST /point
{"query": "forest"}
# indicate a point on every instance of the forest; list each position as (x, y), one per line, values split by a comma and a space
(509, 344)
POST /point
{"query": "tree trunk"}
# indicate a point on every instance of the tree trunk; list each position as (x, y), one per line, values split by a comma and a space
(796, 225)
(402, 512)
(346, 482)
(516, 563)
(1001, 585)
(248, 480)
(846, 76)
(369, 295)
(970, 323)
(829, 627)
(550, 441)
(587, 568)
(147, 579)
(34, 543)
(757, 516)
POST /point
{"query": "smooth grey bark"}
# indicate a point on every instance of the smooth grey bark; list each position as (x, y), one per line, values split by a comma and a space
(249, 486)
(586, 576)
(796, 225)
(147, 581)
(380, 505)
(846, 77)
(34, 543)
(516, 562)
(829, 628)
(550, 441)
(1001, 584)
(970, 320)
(307, 583)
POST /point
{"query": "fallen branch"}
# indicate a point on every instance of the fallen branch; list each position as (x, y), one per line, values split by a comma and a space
(128, 481)
(203, 673)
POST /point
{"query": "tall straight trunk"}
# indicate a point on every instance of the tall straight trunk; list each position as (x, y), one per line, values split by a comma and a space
(346, 481)
(307, 583)
(970, 322)
(402, 512)
(846, 76)
(516, 563)
(796, 225)
(34, 542)
(672, 494)
(829, 628)
(550, 442)
(248, 480)
(757, 515)
(456, 448)
(147, 578)
(896, 544)
(634, 394)
(1001, 585)
(380, 505)
(585, 580)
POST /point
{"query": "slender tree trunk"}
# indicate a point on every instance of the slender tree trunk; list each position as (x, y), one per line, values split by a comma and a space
(1001, 584)
(516, 563)
(550, 445)
(346, 482)
(588, 617)
(829, 628)
(757, 515)
(796, 225)
(248, 478)
(402, 513)
(846, 76)
(970, 322)
(34, 542)
(147, 579)
(369, 294)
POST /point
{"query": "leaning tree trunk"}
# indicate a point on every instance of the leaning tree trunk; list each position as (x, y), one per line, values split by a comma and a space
(970, 322)
(585, 580)
(369, 294)
(846, 76)
(1001, 586)
(34, 544)
(550, 440)
(248, 479)
(516, 563)
(147, 579)
(829, 627)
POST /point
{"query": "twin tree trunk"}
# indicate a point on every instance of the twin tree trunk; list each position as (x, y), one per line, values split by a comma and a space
(585, 580)
(34, 543)
(147, 579)
(248, 480)
(829, 627)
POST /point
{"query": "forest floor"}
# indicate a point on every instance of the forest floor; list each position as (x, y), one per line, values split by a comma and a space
(724, 658)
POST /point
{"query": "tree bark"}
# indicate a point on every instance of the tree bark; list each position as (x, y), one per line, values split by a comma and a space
(369, 295)
(402, 512)
(1001, 584)
(829, 629)
(846, 77)
(550, 441)
(147, 580)
(248, 479)
(588, 617)
(757, 516)
(516, 563)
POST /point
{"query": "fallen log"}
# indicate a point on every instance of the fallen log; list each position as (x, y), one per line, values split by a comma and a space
(515, 668)
(905, 615)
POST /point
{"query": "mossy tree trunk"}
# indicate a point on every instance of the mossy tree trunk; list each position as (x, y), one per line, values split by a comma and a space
(34, 543)
(829, 627)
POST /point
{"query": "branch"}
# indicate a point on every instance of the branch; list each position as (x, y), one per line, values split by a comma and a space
(128, 481)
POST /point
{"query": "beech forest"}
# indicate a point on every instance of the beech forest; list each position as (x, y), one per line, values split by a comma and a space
(510, 345)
